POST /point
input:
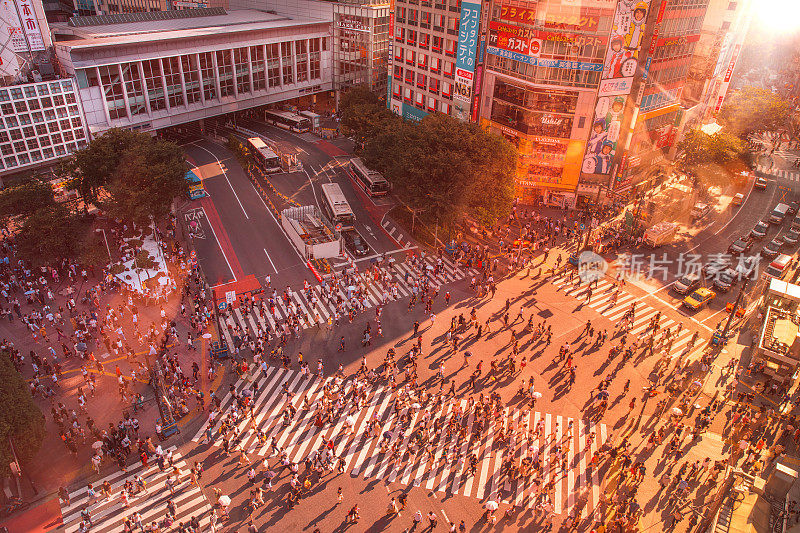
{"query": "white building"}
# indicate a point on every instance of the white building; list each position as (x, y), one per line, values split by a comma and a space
(148, 71)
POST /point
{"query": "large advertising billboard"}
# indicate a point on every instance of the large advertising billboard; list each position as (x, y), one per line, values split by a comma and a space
(468, 26)
(619, 67)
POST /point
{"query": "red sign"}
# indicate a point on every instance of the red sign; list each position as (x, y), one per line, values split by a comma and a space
(683, 39)
(527, 33)
(732, 64)
(525, 15)
(657, 27)
(476, 96)
(559, 21)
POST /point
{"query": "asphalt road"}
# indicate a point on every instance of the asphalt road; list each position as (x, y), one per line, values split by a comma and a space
(251, 236)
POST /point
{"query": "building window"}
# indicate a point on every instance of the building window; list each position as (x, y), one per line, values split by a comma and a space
(242, 70)
(190, 78)
(288, 64)
(133, 85)
(172, 75)
(152, 81)
(225, 70)
(315, 59)
(207, 73)
(273, 65)
(301, 55)
(257, 66)
(112, 90)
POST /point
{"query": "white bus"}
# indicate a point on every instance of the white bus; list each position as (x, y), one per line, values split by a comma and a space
(288, 120)
(264, 158)
(372, 181)
(335, 206)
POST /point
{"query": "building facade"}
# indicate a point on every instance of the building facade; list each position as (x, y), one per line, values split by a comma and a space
(39, 123)
(170, 70)
(360, 45)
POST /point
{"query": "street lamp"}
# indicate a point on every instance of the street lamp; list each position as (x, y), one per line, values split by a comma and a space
(101, 230)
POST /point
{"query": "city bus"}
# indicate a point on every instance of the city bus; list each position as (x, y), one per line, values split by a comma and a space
(195, 189)
(335, 206)
(372, 181)
(288, 121)
(263, 157)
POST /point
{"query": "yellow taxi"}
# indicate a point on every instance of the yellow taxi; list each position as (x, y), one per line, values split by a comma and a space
(699, 298)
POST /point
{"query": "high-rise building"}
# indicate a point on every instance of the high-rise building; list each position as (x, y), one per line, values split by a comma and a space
(112, 7)
(432, 57)
(590, 90)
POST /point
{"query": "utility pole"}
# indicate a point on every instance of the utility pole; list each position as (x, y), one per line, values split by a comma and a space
(735, 307)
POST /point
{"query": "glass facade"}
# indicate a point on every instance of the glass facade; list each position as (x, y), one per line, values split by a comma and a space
(361, 45)
(42, 121)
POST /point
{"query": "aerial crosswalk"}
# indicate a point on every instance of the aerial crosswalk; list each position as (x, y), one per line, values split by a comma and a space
(562, 445)
(109, 515)
(603, 301)
(321, 310)
(779, 173)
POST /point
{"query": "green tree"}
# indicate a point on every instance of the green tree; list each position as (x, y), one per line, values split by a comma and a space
(753, 109)
(699, 147)
(25, 199)
(93, 166)
(49, 235)
(145, 182)
(364, 117)
(21, 420)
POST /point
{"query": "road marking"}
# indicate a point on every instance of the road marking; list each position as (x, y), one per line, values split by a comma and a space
(270, 261)
(210, 225)
(224, 173)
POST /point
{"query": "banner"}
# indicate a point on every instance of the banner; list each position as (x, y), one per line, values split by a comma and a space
(524, 15)
(622, 60)
(30, 25)
(466, 53)
(476, 97)
(554, 63)
(390, 60)
(566, 21)
(576, 39)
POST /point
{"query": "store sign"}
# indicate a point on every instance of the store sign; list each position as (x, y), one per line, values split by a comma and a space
(351, 23)
(465, 58)
(189, 5)
(621, 63)
(615, 87)
(554, 63)
(601, 4)
(551, 120)
(574, 39)
(728, 75)
(679, 40)
(476, 97)
(657, 27)
(412, 113)
(525, 15)
(565, 21)
(30, 26)
(512, 43)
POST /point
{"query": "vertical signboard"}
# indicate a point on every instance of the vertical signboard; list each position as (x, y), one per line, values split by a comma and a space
(30, 26)
(390, 69)
(476, 99)
(468, 26)
(726, 81)
(619, 67)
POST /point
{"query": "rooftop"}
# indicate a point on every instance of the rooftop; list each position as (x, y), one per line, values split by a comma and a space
(132, 28)
(780, 333)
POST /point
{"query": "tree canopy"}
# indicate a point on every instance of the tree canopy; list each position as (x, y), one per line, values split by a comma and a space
(140, 174)
(440, 167)
(25, 199)
(50, 234)
(20, 419)
(754, 109)
(699, 147)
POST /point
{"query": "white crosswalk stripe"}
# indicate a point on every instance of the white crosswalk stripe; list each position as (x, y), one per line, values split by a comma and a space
(779, 173)
(404, 277)
(603, 302)
(446, 468)
(109, 515)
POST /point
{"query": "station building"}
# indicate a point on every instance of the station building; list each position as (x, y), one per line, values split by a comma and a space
(154, 70)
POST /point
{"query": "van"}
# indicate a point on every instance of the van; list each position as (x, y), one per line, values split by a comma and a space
(738, 199)
(778, 214)
(796, 223)
(700, 210)
(778, 267)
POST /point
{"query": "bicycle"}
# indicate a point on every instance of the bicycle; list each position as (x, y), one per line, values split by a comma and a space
(14, 504)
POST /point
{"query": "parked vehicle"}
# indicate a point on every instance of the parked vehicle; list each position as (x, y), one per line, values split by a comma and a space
(660, 234)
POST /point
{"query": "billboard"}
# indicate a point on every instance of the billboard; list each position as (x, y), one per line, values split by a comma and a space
(33, 40)
(466, 53)
(535, 61)
(390, 58)
(619, 67)
(523, 15)
(576, 39)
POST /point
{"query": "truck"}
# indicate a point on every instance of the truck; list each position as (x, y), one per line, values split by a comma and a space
(660, 234)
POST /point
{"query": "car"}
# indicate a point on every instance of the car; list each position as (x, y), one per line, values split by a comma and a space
(760, 184)
(740, 246)
(713, 269)
(760, 231)
(687, 283)
(573, 260)
(725, 280)
(699, 298)
(791, 237)
(354, 243)
(738, 199)
(792, 208)
(772, 248)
